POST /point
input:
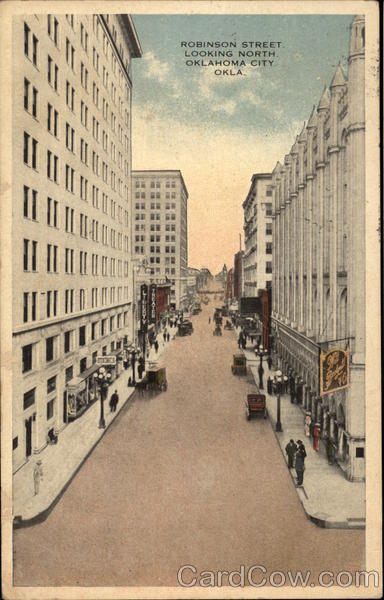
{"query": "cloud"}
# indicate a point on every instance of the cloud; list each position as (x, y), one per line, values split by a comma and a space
(154, 68)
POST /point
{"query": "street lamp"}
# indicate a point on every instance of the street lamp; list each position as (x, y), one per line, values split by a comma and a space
(133, 352)
(261, 352)
(278, 385)
(102, 378)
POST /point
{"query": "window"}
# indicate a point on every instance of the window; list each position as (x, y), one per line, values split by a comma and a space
(30, 100)
(69, 219)
(69, 260)
(30, 203)
(30, 158)
(29, 399)
(52, 120)
(69, 54)
(50, 409)
(268, 209)
(15, 443)
(69, 178)
(50, 349)
(70, 96)
(67, 341)
(82, 336)
(52, 166)
(27, 358)
(268, 229)
(69, 137)
(84, 76)
(83, 364)
(53, 28)
(68, 374)
(268, 248)
(52, 212)
(51, 384)
(52, 258)
(268, 267)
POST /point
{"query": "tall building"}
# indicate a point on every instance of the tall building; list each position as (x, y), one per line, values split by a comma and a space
(238, 275)
(71, 281)
(160, 224)
(257, 257)
(319, 261)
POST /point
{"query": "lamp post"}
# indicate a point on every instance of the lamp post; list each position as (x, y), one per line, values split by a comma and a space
(261, 352)
(102, 378)
(278, 427)
(133, 352)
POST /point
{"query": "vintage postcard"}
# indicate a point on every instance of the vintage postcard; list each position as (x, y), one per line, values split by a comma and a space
(190, 300)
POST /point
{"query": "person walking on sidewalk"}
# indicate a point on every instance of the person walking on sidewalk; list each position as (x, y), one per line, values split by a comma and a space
(168, 336)
(164, 336)
(37, 476)
(291, 450)
(156, 344)
(299, 462)
(113, 402)
(269, 361)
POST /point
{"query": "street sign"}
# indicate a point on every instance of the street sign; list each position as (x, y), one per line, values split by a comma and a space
(107, 360)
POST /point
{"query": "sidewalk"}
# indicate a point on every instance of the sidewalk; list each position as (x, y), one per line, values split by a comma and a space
(328, 499)
(61, 461)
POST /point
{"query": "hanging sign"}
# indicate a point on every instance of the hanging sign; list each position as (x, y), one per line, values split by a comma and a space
(144, 307)
(152, 303)
(334, 371)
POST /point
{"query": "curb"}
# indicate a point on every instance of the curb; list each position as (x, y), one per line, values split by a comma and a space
(19, 522)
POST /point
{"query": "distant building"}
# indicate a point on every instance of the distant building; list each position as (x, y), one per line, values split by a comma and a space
(319, 259)
(160, 214)
(257, 257)
(228, 296)
(238, 275)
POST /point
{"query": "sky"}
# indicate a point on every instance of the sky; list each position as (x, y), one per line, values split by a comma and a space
(219, 129)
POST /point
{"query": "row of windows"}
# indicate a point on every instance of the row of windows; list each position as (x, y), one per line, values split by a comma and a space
(155, 206)
(155, 227)
(85, 333)
(47, 304)
(155, 216)
(142, 184)
(157, 238)
(142, 195)
(30, 260)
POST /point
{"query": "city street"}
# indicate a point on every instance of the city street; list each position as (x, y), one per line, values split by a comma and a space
(182, 478)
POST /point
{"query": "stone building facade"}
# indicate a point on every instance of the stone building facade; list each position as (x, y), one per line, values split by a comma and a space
(319, 257)
(71, 220)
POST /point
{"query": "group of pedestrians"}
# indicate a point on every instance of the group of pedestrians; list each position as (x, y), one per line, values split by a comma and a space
(296, 454)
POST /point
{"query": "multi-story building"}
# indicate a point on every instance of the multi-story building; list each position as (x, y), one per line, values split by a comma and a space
(319, 260)
(257, 257)
(160, 229)
(71, 282)
(238, 275)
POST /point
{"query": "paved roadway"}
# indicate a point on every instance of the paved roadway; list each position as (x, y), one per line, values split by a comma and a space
(182, 478)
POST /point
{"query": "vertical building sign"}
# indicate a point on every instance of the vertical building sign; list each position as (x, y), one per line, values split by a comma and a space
(152, 303)
(144, 307)
(334, 371)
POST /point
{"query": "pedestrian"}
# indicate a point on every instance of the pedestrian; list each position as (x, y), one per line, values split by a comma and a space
(269, 361)
(164, 336)
(114, 401)
(168, 336)
(240, 339)
(209, 320)
(291, 450)
(301, 449)
(269, 385)
(285, 384)
(299, 466)
(330, 452)
(156, 344)
(261, 373)
(37, 476)
(243, 343)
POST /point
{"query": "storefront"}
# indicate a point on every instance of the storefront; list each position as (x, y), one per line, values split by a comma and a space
(81, 393)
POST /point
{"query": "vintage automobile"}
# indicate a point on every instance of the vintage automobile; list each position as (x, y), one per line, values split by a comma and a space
(185, 328)
(239, 364)
(156, 379)
(217, 330)
(256, 406)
